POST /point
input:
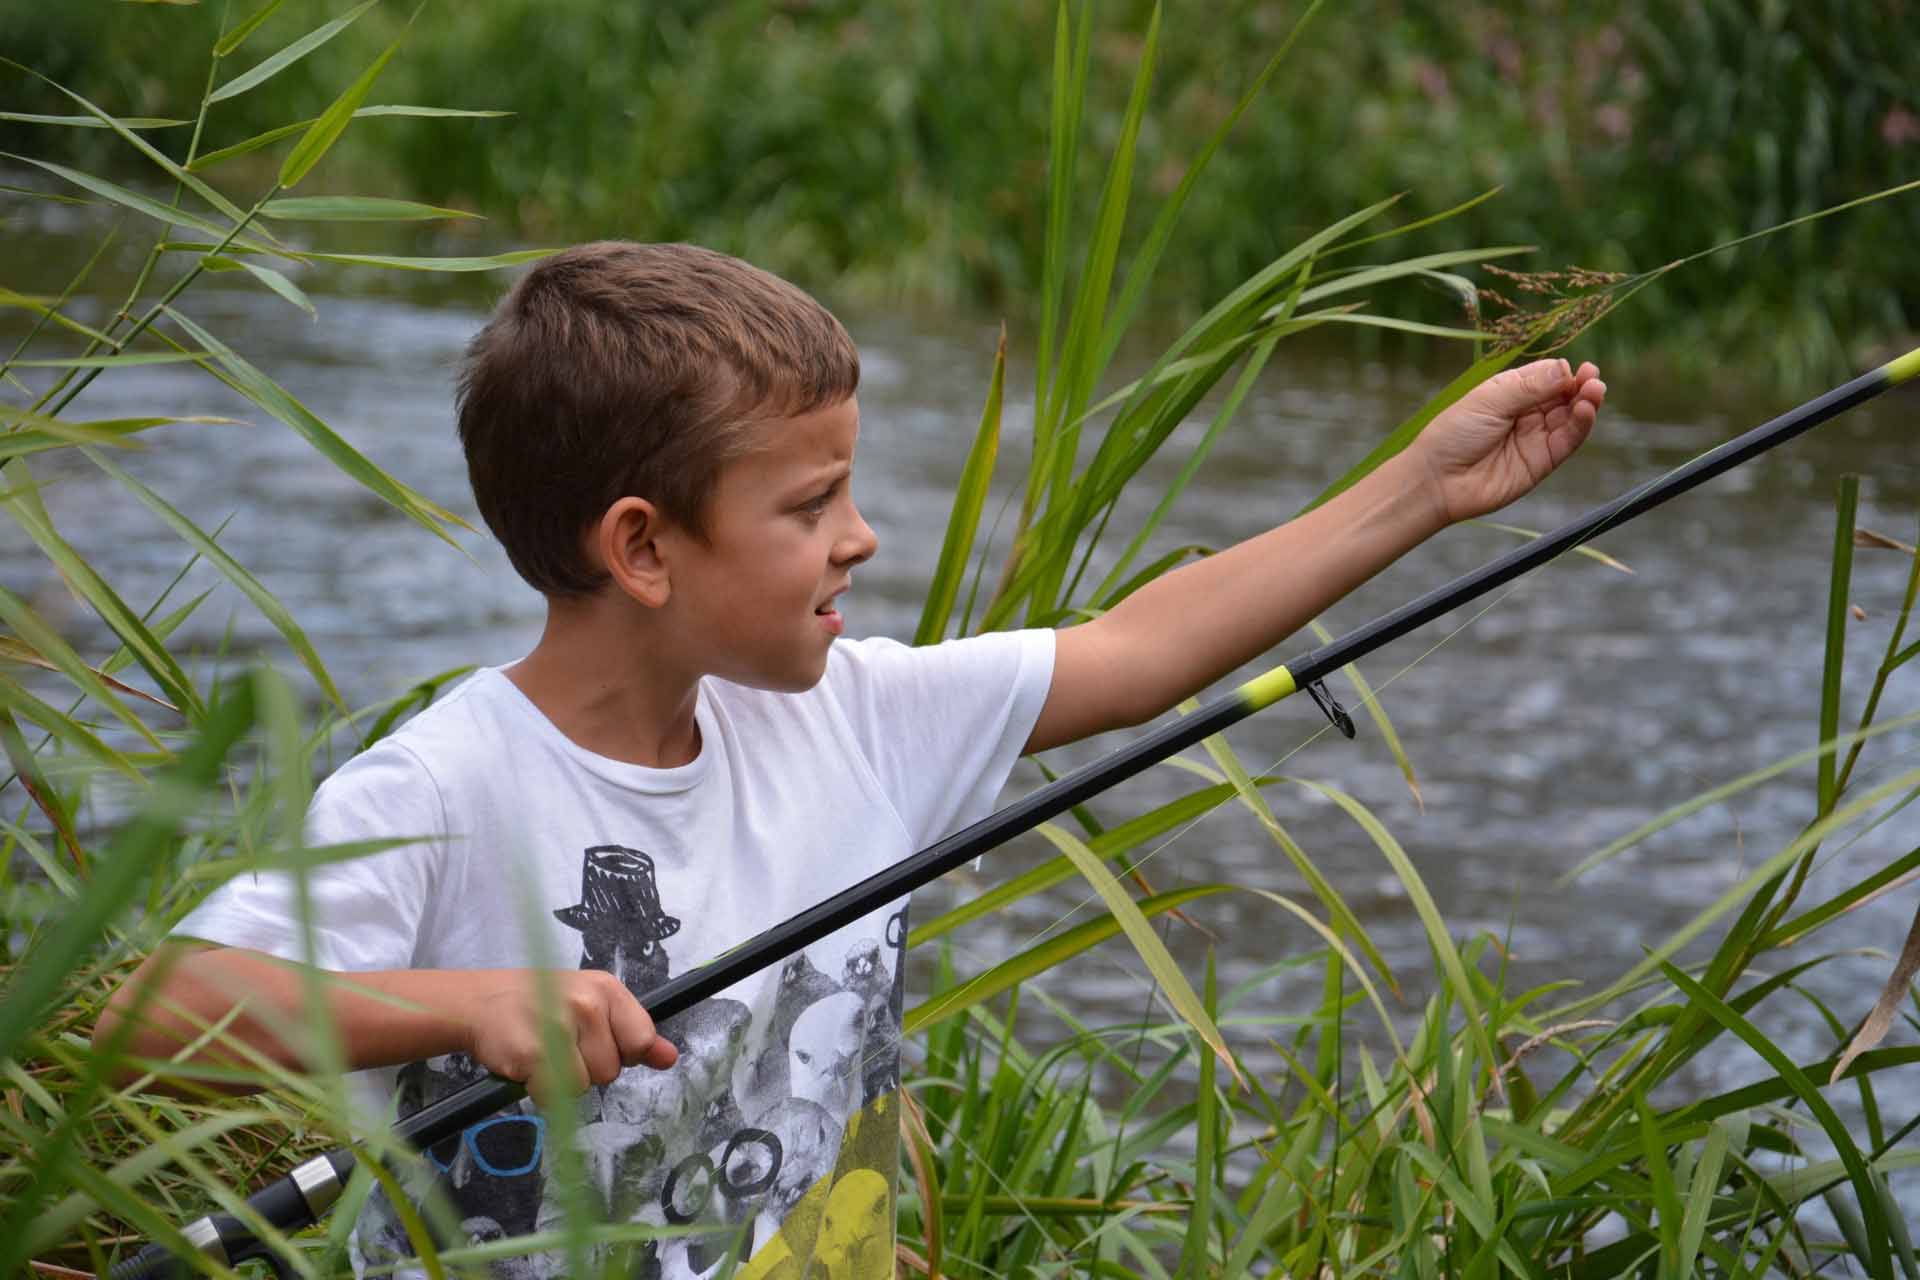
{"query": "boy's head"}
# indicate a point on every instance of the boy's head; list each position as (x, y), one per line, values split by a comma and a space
(615, 369)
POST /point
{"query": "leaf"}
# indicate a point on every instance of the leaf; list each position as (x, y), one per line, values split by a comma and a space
(1039, 959)
(8, 298)
(269, 395)
(274, 280)
(1844, 508)
(1108, 844)
(355, 209)
(1153, 952)
(233, 39)
(26, 768)
(968, 498)
(232, 569)
(272, 65)
(1584, 549)
(493, 262)
(111, 362)
(1865, 1193)
(121, 196)
(31, 194)
(274, 135)
(141, 145)
(45, 647)
(89, 122)
(1438, 938)
(36, 433)
(24, 505)
(333, 122)
(1874, 1029)
(14, 650)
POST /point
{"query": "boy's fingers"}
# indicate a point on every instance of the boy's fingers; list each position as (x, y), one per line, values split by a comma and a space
(599, 1056)
(640, 1044)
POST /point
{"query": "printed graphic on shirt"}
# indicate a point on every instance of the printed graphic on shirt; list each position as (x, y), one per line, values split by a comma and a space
(776, 1127)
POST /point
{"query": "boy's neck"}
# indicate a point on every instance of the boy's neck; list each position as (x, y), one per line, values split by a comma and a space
(600, 682)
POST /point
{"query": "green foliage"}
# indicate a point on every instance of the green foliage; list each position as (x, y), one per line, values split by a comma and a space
(828, 140)
(1507, 1133)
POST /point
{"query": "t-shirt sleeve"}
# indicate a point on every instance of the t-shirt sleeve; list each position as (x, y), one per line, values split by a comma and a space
(943, 725)
(365, 911)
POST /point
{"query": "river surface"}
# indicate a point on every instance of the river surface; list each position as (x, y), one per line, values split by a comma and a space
(1542, 724)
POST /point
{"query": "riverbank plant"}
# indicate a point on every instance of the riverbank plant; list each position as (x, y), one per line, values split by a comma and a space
(1539, 1131)
(829, 140)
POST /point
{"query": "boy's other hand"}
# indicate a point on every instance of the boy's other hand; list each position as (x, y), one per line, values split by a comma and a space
(1507, 435)
(610, 1031)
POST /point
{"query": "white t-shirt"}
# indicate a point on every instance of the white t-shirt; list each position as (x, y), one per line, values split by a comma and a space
(777, 1125)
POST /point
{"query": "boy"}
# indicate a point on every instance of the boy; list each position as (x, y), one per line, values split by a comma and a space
(663, 439)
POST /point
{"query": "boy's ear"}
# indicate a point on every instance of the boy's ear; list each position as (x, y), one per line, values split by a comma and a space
(627, 541)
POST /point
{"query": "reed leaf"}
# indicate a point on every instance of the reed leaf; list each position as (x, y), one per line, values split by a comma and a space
(229, 43)
(1866, 1196)
(1836, 648)
(172, 170)
(1039, 959)
(270, 136)
(1153, 952)
(975, 477)
(1109, 844)
(355, 209)
(275, 63)
(24, 506)
(333, 122)
(269, 395)
(262, 599)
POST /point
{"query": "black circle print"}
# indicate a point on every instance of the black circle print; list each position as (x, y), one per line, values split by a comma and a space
(750, 1164)
(684, 1204)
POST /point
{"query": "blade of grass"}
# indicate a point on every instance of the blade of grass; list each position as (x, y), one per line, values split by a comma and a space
(968, 499)
(1037, 960)
(269, 606)
(275, 63)
(333, 122)
(1831, 673)
(356, 209)
(232, 40)
(1153, 952)
(1803, 1088)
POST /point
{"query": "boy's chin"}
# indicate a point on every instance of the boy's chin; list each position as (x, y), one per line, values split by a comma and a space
(797, 678)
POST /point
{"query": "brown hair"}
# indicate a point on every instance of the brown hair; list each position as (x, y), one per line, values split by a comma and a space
(612, 369)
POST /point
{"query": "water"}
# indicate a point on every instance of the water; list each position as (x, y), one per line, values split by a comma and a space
(1542, 723)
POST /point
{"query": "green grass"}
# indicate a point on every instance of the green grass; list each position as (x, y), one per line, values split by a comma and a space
(1537, 1132)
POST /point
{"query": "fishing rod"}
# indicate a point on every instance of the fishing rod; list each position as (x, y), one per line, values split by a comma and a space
(299, 1199)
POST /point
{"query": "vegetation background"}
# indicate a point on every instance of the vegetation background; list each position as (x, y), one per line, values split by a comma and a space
(896, 149)
(932, 153)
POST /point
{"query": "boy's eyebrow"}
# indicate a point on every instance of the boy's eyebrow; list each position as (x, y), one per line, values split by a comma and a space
(825, 477)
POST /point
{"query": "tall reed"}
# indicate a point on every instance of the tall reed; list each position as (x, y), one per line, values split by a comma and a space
(1507, 1131)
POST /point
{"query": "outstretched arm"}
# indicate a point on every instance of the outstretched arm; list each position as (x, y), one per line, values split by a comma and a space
(1186, 629)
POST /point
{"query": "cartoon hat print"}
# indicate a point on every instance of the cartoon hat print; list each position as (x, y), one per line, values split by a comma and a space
(616, 886)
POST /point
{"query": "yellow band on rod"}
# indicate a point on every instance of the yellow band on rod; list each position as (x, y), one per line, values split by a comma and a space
(1903, 367)
(1262, 692)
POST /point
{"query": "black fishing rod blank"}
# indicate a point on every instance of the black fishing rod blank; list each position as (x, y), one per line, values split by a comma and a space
(302, 1197)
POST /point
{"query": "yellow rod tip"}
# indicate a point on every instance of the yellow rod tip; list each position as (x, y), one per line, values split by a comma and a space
(1900, 368)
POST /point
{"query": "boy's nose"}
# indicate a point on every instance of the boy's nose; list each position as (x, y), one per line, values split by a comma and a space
(858, 542)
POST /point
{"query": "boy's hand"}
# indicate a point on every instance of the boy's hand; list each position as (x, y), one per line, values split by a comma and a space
(1507, 435)
(610, 1031)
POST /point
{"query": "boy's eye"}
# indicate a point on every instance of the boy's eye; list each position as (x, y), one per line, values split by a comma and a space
(818, 504)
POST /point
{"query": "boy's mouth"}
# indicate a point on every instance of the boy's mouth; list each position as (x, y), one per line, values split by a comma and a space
(830, 614)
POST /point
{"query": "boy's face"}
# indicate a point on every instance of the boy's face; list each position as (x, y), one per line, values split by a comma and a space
(783, 536)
